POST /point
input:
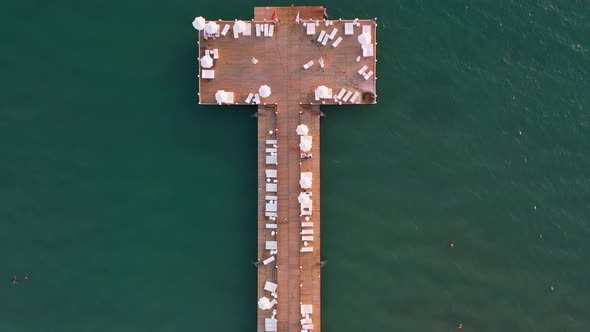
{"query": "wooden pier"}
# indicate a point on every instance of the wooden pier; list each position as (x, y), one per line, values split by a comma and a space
(294, 265)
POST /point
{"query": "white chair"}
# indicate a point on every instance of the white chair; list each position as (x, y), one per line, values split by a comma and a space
(337, 42)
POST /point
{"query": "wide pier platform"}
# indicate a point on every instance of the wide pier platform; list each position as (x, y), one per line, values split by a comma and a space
(293, 59)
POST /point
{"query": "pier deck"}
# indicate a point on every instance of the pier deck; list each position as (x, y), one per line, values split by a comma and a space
(291, 103)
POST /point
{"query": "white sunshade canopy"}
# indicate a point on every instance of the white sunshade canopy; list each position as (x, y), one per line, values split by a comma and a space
(305, 146)
(364, 38)
(199, 23)
(264, 91)
(206, 62)
(211, 28)
(322, 91)
(264, 303)
(304, 198)
(302, 129)
(221, 96)
(305, 183)
(239, 26)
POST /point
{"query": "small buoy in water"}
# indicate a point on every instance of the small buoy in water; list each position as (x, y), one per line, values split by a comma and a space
(534, 207)
(541, 236)
(14, 281)
(452, 245)
(460, 327)
(552, 288)
(26, 276)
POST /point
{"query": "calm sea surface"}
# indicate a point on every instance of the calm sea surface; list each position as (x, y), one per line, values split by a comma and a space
(133, 209)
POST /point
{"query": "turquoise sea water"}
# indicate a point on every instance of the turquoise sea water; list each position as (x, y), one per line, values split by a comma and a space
(133, 209)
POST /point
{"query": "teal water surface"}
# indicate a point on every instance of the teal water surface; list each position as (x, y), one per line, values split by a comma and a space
(133, 209)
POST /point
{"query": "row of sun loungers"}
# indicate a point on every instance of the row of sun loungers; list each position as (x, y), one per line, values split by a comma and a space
(270, 148)
(265, 29)
(253, 98)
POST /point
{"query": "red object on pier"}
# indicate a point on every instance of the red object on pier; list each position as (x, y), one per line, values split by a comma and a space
(274, 16)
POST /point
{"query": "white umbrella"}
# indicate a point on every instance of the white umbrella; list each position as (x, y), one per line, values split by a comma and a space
(364, 38)
(264, 303)
(199, 23)
(211, 27)
(220, 96)
(239, 26)
(264, 91)
(305, 182)
(206, 62)
(304, 198)
(322, 91)
(302, 129)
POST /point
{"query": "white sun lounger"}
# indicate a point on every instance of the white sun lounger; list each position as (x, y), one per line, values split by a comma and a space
(306, 309)
(322, 34)
(249, 99)
(215, 53)
(348, 29)
(307, 249)
(307, 224)
(208, 74)
(270, 286)
(368, 75)
(367, 29)
(271, 187)
(354, 97)
(257, 30)
(257, 99)
(248, 31)
(337, 42)
(362, 70)
(305, 321)
(270, 207)
(271, 160)
(270, 245)
(225, 30)
(341, 93)
(207, 52)
(271, 173)
(307, 232)
(270, 325)
(270, 214)
(307, 238)
(271, 141)
(271, 226)
(236, 35)
(271, 30)
(348, 94)
(266, 30)
(333, 33)
(310, 29)
(308, 64)
(325, 41)
(307, 327)
(270, 198)
(268, 260)
(230, 98)
(271, 149)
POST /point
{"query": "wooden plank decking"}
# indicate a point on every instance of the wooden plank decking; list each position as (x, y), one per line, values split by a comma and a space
(291, 103)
